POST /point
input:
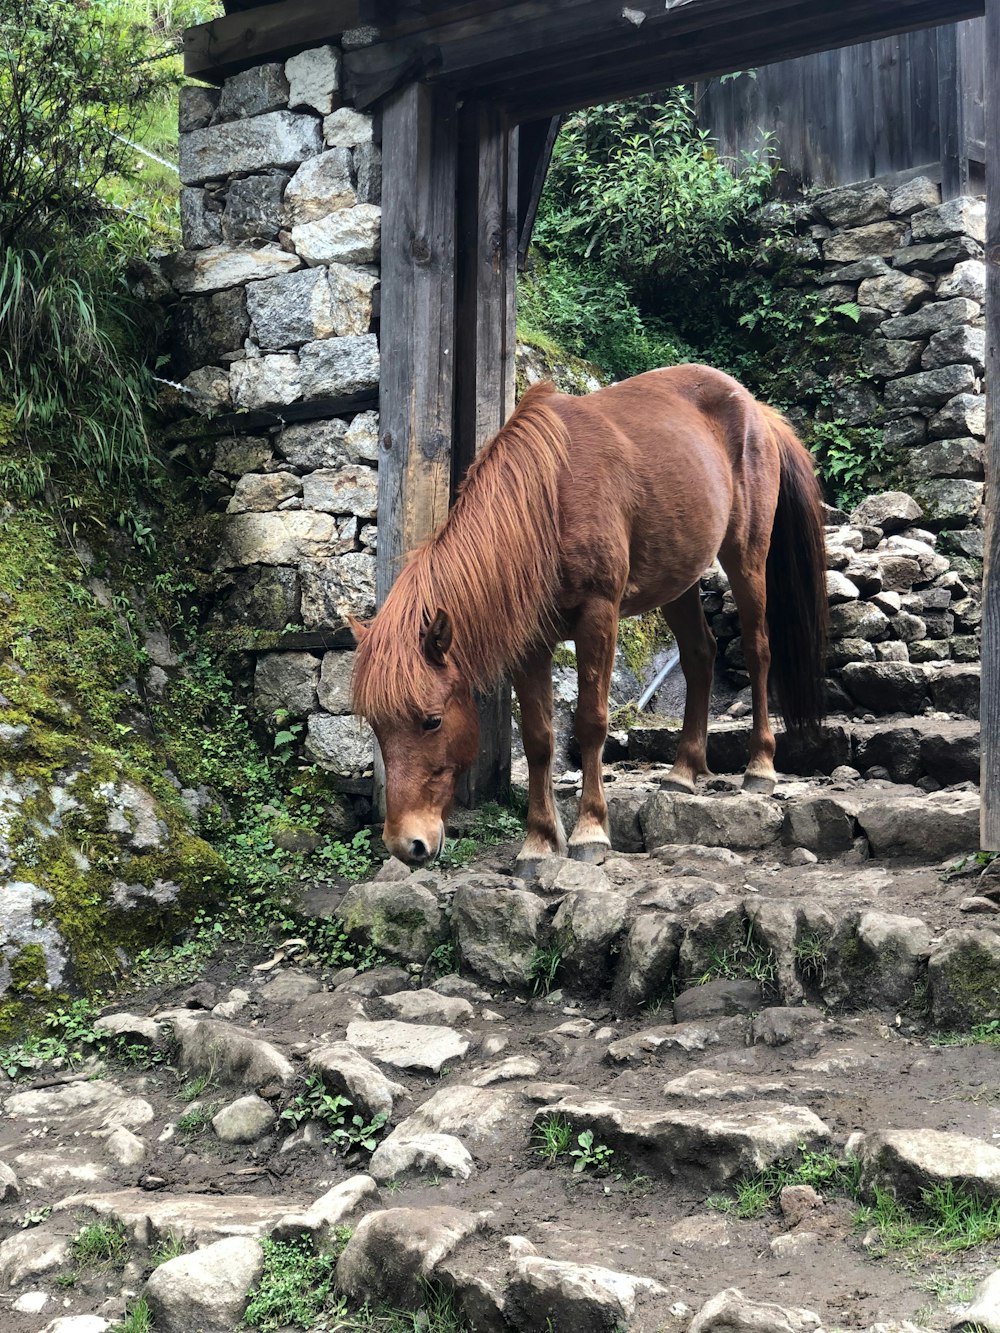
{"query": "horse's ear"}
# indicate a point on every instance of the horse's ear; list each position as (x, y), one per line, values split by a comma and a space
(358, 628)
(437, 638)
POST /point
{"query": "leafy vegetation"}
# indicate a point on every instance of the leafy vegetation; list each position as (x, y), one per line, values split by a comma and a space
(543, 968)
(296, 1287)
(650, 250)
(331, 1111)
(747, 959)
(758, 1194)
(554, 1138)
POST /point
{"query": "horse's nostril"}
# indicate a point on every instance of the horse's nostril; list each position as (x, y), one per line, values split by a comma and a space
(418, 850)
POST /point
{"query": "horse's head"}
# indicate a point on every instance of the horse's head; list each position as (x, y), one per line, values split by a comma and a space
(425, 751)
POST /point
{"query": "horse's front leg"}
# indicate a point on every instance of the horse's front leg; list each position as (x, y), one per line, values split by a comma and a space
(533, 684)
(595, 634)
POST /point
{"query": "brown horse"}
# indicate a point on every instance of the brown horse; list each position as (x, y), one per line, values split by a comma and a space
(579, 511)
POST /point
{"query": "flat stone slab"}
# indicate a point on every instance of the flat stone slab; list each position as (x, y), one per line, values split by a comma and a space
(195, 1218)
(911, 1160)
(712, 1147)
(422, 1046)
(743, 822)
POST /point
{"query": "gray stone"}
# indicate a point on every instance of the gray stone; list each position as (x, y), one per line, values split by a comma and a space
(244, 1121)
(929, 388)
(253, 92)
(891, 511)
(351, 299)
(335, 682)
(588, 928)
(963, 415)
(957, 217)
(907, 430)
(896, 292)
(263, 597)
(345, 490)
(230, 1055)
(314, 444)
(931, 317)
(254, 208)
(421, 1154)
(983, 1312)
(342, 745)
(934, 827)
(957, 345)
(648, 962)
(196, 105)
(732, 1312)
(368, 171)
(937, 256)
(393, 1253)
(78, 1323)
(221, 266)
(266, 381)
(856, 403)
(345, 1073)
(261, 492)
(30, 1253)
(859, 620)
(427, 1006)
(893, 952)
(887, 686)
(874, 267)
(277, 140)
(346, 128)
(134, 1030)
(718, 996)
(314, 79)
(497, 931)
(853, 205)
(547, 1294)
(336, 588)
(320, 1220)
(948, 458)
(913, 196)
(284, 538)
(208, 1290)
(402, 920)
(200, 226)
(348, 236)
(10, 1190)
(208, 390)
(416, 1046)
(292, 309)
(950, 500)
(742, 823)
(888, 357)
(341, 366)
(964, 976)
(823, 824)
(908, 1161)
(705, 1146)
(877, 238)
(206, 328)
(908, 628)
(321, 186)
(193, 1218)
(967, 279)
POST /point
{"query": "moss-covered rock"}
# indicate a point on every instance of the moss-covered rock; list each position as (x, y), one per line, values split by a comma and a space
(964, 979)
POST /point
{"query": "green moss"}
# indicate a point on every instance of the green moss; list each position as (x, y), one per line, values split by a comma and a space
(973, 983)
(564, 657)
(27, 968)
(639, 639)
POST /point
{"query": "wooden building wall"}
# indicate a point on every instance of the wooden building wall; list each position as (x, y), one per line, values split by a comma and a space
(910, 103)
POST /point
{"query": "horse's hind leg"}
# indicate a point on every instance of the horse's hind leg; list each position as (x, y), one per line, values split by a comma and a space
(595, 634)
(533, 683)
(749, 586)
(696, 644)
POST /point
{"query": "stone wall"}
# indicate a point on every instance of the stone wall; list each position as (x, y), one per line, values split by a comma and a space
(277, 316)
(915, 268)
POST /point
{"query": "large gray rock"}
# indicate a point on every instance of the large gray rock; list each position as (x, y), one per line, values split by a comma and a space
(931, 317)
(402, 1155)
(320, 1220)
(893, 951)
(930, 388)
(197, 1219)
(346, 1073)
(346, 128)
(823, 824)
(335, 588)
(959, 344)
(352, 489)
(914, 195)
(908, 1161)
(732, 1312)
(314, 79)
(964, 457)
(196, 105)
(286, 682)
(887, 687)
(876, 238)
(208, 1290)
(393, 1253)
(950, 500)
(888, 357)
(937, 826)
(265, 381)
(207, 327)
(342, 745)
(647, 963)
(967, 279)
(892, 511)
(550, 1293)
(28, 1254)
(957, 217)
(983, 1313)
(261, 492)
(252, 92)
(497, 931)
(220, 266)
(348, 236)
(964, 977)
(965, 414)
(588, 928)
(335, 682)
(200, 225)
(285, 538)
(291, 310)
(277, 139)
(859, 620)
(340, 366)
(417, 1046)
(253, 209)
(403, 921)
(853, 205)
(309, 445)
(322, 185)
(742, 822)
(352, 303)
(228, 1054)
(896, 292)
(428, 1006)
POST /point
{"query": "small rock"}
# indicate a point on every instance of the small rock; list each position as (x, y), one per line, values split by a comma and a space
(244, 1121)
(346, 1073)
(554, 1294)
(420, 1046)
(433, 1154)
(207, 1290)
(124, 1147)
(427, 1007)
(797, 1201)
(321, 1219)
(732, 1312)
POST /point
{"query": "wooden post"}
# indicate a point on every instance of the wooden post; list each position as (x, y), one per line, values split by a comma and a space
(487, 263)
(990, 696)
(951, 113)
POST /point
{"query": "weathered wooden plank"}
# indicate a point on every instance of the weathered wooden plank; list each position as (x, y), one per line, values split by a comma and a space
(951, 114)
(265, 32)
(420, 152)
(535, 141)
(484, 370)
(246, 423)
(989, 710)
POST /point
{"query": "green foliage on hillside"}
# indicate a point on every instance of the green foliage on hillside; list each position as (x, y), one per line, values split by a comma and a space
(650, 250)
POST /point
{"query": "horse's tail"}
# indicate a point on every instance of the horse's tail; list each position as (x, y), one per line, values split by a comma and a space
(797, 614)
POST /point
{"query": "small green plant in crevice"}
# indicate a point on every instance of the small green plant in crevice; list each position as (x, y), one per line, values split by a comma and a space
(588, 1155)
(441, 962)
(758, 1194)
(491, 825)
(812, 953)
(358, 1134)
(974, 863)
(543, 968)
(68, 1036)
(196, 1119)
(947, 1220)
(981, 1034)
(195, 1087)
(552, 1137)
(138, 1318)
(34, 1217)
(746, 959)
(101, 1246)
(296, 1288)
(170, 1247)
(331, 1111)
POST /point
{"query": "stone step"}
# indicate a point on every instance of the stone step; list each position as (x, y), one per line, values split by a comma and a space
(911, 748)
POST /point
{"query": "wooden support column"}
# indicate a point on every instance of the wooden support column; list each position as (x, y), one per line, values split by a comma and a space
(487, 264)
(990, 697)
(952, 113)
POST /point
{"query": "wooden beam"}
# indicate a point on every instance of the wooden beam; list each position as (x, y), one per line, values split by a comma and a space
(266, 32)
(419, 170)
(951, 114)
(989, 710)
(535, 141)
(484, 370)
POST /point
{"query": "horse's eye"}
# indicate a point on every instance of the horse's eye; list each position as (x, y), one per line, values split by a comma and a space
(431, 723)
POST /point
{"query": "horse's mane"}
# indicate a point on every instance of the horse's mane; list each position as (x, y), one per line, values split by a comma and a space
(493, 566)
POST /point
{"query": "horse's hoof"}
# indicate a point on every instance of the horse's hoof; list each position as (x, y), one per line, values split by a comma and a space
(678, 785)
(761, 786)
(592, 852)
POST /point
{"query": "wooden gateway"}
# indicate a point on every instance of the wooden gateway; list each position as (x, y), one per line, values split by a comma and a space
(466, 94)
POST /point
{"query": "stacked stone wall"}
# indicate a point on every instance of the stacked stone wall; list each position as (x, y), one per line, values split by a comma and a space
(276, 316)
